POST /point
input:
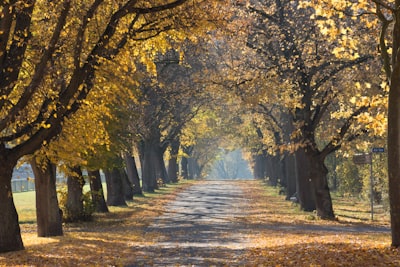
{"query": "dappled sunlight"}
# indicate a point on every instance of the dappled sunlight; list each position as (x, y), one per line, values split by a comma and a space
(222, 223)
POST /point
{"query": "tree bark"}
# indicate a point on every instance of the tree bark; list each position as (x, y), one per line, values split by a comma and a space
(132, 173)
(290, 175)
(184, 167)
(96, 189)
(173, 167)
(312, 188)
(127, 185)
(151, 166)
(318, 174)
(271, 170)
(305, 195)
(393, 137)
(259, 166)
(48, 213)
(74, 206)
(115, 193)
(10, 233)
(194, 168)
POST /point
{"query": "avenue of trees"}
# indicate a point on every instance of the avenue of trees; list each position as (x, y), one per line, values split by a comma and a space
(165, 87)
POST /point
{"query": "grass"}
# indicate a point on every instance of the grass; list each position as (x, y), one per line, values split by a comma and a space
(25, 204)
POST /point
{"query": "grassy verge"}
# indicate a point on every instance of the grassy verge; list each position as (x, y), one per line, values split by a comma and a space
(105, 241)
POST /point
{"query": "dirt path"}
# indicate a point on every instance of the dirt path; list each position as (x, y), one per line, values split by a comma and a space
(199, 228)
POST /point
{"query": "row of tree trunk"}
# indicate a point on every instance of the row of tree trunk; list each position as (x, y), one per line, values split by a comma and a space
(122, 183)
(302, 174)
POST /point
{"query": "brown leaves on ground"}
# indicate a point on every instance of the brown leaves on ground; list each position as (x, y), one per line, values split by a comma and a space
(279, 235)
(106, 241)
(283, 235)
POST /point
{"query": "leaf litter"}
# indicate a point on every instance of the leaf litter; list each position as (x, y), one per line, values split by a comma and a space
(277, 234)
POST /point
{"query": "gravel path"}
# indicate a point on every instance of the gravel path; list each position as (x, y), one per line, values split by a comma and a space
(199, 228)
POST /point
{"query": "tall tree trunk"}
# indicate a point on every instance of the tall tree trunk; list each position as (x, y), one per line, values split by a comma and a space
(48, 213)
(115, 193)
(259, 166)
(194, 168)
(173, 167)
(304, 188)
(74, 207)
(272, 166)
(151, 166)
(393, 137)
(126, 184)
(184, 167)
(10, 233)
(161, 168)
(290, 175)
(318, 174)
(96, 190)
(133, 174)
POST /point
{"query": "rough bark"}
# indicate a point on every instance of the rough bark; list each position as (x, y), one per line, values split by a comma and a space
(127, 185)
(48, 213)
(132, 173)
(312, 183)
(10, 234)
(184, 167)
(394, 135)
(259, 166)
(74, 207)
(115, 193)
(318, 174)
(97, 192)
(272, 166)
(290, 175)
(151, 166)
(173, 167)
(194, 168)
(305, 195)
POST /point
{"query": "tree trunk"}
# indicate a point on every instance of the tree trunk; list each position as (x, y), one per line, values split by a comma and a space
(259, 166)
(96, 189)
(115, 193)
(133, 174)
(48, 213)
(10, 233)
(184, 168)
(161, 168)
(393, 136)
(173, 167)
(272, 166)
(290, 175)
(318, 174)
(151, 167)
(194, 168)
(305, 195)
(312, 183)
(127, 185)
(74, 206)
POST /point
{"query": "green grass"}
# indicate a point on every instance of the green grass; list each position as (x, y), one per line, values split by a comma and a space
(25, 203)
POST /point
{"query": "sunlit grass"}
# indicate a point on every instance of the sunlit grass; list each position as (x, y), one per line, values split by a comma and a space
(25, 203)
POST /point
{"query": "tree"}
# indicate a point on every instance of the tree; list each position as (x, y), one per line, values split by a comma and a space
(31, 41)
(386, 13)
(300, 59)
(48, 215)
